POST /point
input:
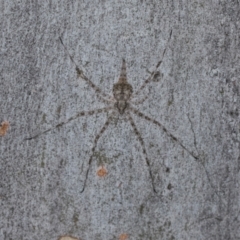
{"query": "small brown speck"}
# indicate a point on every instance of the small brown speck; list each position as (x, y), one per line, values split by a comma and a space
(3, 128)
(102, 171)
(123, 236)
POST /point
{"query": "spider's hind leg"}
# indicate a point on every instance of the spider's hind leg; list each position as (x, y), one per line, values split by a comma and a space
(80, 114)
(93, 150)
(143, 148)
(175, 139)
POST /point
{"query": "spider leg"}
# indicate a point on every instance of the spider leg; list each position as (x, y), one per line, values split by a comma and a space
(93, 150)
(80, 114)
(143, 147)
(140, 101)
(103, 96)
(140, 114)
(155, 72)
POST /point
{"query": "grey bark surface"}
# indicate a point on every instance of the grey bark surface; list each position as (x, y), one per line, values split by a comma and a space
(195, 96)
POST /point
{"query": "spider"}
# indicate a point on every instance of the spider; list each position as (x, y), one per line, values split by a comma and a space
(121, 103)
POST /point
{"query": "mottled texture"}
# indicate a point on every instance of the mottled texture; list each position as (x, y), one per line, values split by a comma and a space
(195, 96)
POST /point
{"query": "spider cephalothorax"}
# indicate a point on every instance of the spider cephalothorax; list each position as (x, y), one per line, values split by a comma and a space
(122, 90)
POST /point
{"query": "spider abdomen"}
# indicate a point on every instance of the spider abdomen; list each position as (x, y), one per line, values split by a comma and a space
(121, 106)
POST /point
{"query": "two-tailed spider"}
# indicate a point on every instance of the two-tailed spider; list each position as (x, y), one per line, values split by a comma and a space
(122, 104)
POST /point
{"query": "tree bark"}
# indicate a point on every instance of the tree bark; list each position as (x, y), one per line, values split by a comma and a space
(187, 147)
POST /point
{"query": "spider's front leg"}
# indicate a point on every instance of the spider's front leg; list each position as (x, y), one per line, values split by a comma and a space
(103, 96)
(155, 72)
